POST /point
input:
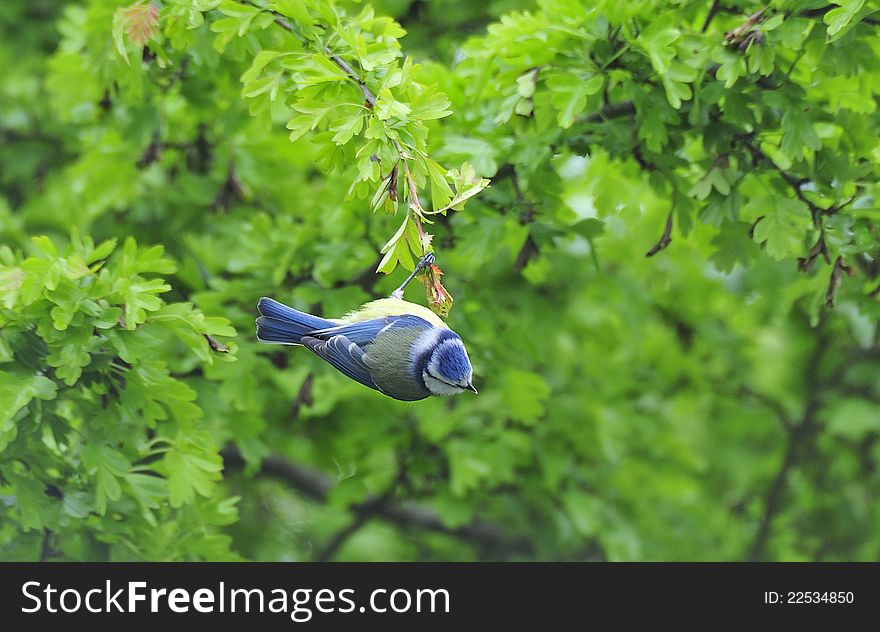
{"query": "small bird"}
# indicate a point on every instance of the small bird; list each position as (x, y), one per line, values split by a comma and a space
(398, 348)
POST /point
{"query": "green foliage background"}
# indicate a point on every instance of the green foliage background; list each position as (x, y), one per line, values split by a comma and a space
(719, 400)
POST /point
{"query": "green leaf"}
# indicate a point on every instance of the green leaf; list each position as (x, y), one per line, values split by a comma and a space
(119, 35)
(570, 94)
(733, 246)
(295, 9)
(190, 470)
(345, 128)
(526, 394)
(107, 466)
(784, 227)
(16, 392)
(844, 17)
(441, 192)
(387, 107)
(852, 418)
(467, 467)
(798, 133)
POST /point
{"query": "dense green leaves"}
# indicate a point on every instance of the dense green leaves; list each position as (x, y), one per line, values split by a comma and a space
(81, 381)
(165, 164)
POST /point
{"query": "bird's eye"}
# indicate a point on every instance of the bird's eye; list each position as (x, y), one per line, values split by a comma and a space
(440, 379)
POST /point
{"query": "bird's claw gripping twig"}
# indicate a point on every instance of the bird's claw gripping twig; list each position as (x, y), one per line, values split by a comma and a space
(427, 260)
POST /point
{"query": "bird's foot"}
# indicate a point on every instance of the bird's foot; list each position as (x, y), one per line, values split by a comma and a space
(427, 260)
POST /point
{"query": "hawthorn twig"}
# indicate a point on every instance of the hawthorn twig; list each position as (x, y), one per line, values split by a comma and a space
(740, 33)
(666, 237)
(834, 281)
(713, 11)
(216, 345)
(773, 404)
(368, 96)
(805, 264)
(610, 111)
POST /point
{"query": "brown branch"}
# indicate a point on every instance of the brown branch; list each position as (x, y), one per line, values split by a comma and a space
(834, 281)
(365, 511)
(303, 396)
(610, 111)
(795, 184)
(665, 238)
(773, 499)
(799, 436)
(529, 249)
(758, 155)
(330, 549)
(46, 549)
(317, 485)
(414, 198)
(215, 344)
(368, 96)
(774, 405)
(805, 264)
(740, 33)
(713, 11)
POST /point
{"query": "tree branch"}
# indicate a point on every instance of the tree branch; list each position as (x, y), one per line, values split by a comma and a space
(666, 237)
(758, 155)
(46, 550)
(332, 547)
(316, 486)
(368, 96)
(834, 280)
(799, 436)
(610, 111)
(773, 499)
(713, 11)
(784, 418)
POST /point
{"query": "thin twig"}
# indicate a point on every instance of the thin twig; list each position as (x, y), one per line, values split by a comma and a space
(330, 549)
(46, 550)
(834, 280)
(215, 344)
(368, 96)
(666, 237)
(781, 413)
(610, 111)
(713, 11)
(413, 195)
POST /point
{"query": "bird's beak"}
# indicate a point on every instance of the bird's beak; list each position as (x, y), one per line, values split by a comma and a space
(471, 387)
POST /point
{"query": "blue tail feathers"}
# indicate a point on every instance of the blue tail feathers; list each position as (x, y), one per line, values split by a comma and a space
(283, 324)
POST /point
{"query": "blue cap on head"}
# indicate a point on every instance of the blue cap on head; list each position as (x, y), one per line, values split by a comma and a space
(452, 362)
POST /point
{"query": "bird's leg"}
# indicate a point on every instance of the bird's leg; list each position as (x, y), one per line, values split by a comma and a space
(423, 263)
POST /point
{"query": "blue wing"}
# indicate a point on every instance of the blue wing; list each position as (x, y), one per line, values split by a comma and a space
(344, 346)
(363, 333)
(346, 356)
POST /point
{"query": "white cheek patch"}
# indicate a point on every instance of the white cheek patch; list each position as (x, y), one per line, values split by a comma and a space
(440, 388)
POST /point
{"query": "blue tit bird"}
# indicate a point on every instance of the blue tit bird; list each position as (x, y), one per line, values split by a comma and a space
(396, 347)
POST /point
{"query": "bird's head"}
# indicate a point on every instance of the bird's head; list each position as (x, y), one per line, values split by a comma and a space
(448, 370)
